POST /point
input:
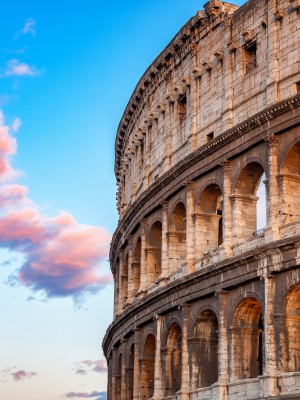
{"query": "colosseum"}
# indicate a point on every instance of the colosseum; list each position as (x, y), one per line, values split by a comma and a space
(205, 256)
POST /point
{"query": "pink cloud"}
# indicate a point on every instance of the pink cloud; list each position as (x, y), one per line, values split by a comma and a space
(14, 67)
(85, 366)
(62, 257)
(21, 375)
(17, 375)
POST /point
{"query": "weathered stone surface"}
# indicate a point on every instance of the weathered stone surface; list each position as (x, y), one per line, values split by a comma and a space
(206, 304)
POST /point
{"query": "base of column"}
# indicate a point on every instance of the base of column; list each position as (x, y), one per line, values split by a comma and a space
(271, 234)
(269, 385)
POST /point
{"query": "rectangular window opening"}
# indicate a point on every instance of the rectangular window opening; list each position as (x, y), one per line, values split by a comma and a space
(209, 137)
(182, 107)
(298, 87)
(250, 56)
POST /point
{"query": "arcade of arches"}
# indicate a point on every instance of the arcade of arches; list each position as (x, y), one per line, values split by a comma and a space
(237, 340)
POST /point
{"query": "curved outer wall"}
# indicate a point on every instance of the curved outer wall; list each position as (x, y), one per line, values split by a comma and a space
(207, 282)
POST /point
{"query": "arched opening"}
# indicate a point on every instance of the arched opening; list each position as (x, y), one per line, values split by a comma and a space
(154, 252)
(119, 377)
(245, 212)
(246, 340)
(129, 375)
(173, 360)
(289, 183)
(136, 266)
(261, 205)
(125, 279)
(177, 237)
(205, 350)
(209, 218)
(147, 368)
(290, 340)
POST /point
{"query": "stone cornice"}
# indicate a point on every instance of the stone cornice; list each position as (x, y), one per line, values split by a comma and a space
(264, 117)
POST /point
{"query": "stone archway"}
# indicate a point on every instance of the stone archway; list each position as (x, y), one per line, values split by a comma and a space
(290, 338)
(119, 377)
(154, 252)
(136, 266)
(246, 340)
(173, 360)
(147, 368)
(289, 186)
(205, 350)
(177, 237)
(130, 374)
(245, 201)
(209, 222)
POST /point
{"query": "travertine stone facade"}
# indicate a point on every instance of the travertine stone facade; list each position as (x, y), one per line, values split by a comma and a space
(207, 299)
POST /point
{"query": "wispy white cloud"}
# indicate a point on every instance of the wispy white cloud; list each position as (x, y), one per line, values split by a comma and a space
(16, 124)
(16, 68)
(28, 28)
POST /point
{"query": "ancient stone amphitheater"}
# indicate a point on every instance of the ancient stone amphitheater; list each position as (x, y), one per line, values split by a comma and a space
(207, 305)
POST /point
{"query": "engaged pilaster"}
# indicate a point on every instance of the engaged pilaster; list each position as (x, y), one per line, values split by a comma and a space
(185, 377)
(130, 272)
(158, 392)
(123, 371)
(165, 241)
(227, 211)
(121, 271)
(223, 358)
(114, 374)
(189, 226)
(272, 231)
(143, 280)
(136, 368)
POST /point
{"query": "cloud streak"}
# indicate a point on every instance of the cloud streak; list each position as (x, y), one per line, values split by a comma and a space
(28, 28)
(86, 395)
(62, 257)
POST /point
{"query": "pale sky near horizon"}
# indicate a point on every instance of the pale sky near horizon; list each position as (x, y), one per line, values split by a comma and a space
(67, 70)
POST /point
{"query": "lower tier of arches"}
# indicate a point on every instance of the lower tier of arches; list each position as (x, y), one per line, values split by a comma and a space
(238, 342)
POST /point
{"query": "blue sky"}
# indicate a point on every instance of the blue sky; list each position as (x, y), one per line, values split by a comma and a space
(67, 70)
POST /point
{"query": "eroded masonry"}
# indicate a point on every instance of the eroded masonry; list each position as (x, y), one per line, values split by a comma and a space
(207, 295)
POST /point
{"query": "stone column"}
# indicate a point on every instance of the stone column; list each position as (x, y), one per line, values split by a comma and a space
(185, 377)
(194, 96)
(158, 391)
(114, 374)
(226, 211)
(116, 291)
(143, 280)
(165, 241)
(272, 231)
(270, 387)
(121, 270)
(223, 356)
(198, 245)
(123, 373)
(130, 272)
(136, 370)
(109, 380)
(189, 227)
